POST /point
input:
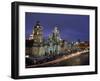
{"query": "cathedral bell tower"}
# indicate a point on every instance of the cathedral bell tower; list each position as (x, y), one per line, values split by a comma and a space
(37, 49)
(37, 33)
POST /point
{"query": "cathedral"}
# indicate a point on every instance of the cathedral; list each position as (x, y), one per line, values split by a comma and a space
(41, 47)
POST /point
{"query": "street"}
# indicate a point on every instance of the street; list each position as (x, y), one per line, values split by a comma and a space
(64, 57)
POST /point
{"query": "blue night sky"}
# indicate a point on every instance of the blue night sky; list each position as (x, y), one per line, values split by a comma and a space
(72, 27)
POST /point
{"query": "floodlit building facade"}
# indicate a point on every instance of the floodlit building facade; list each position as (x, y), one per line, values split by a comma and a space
(52, 45)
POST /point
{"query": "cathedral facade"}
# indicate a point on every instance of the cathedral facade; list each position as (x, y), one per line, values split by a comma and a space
(40, 46)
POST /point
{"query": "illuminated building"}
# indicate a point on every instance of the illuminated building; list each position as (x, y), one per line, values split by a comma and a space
(37, 33)
(31, 37)
(54, 42)
(37, 49)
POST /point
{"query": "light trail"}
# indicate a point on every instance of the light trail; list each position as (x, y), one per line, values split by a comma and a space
(65, 57)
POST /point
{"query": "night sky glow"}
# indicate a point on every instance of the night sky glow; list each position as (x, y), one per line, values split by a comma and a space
(72, 27)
